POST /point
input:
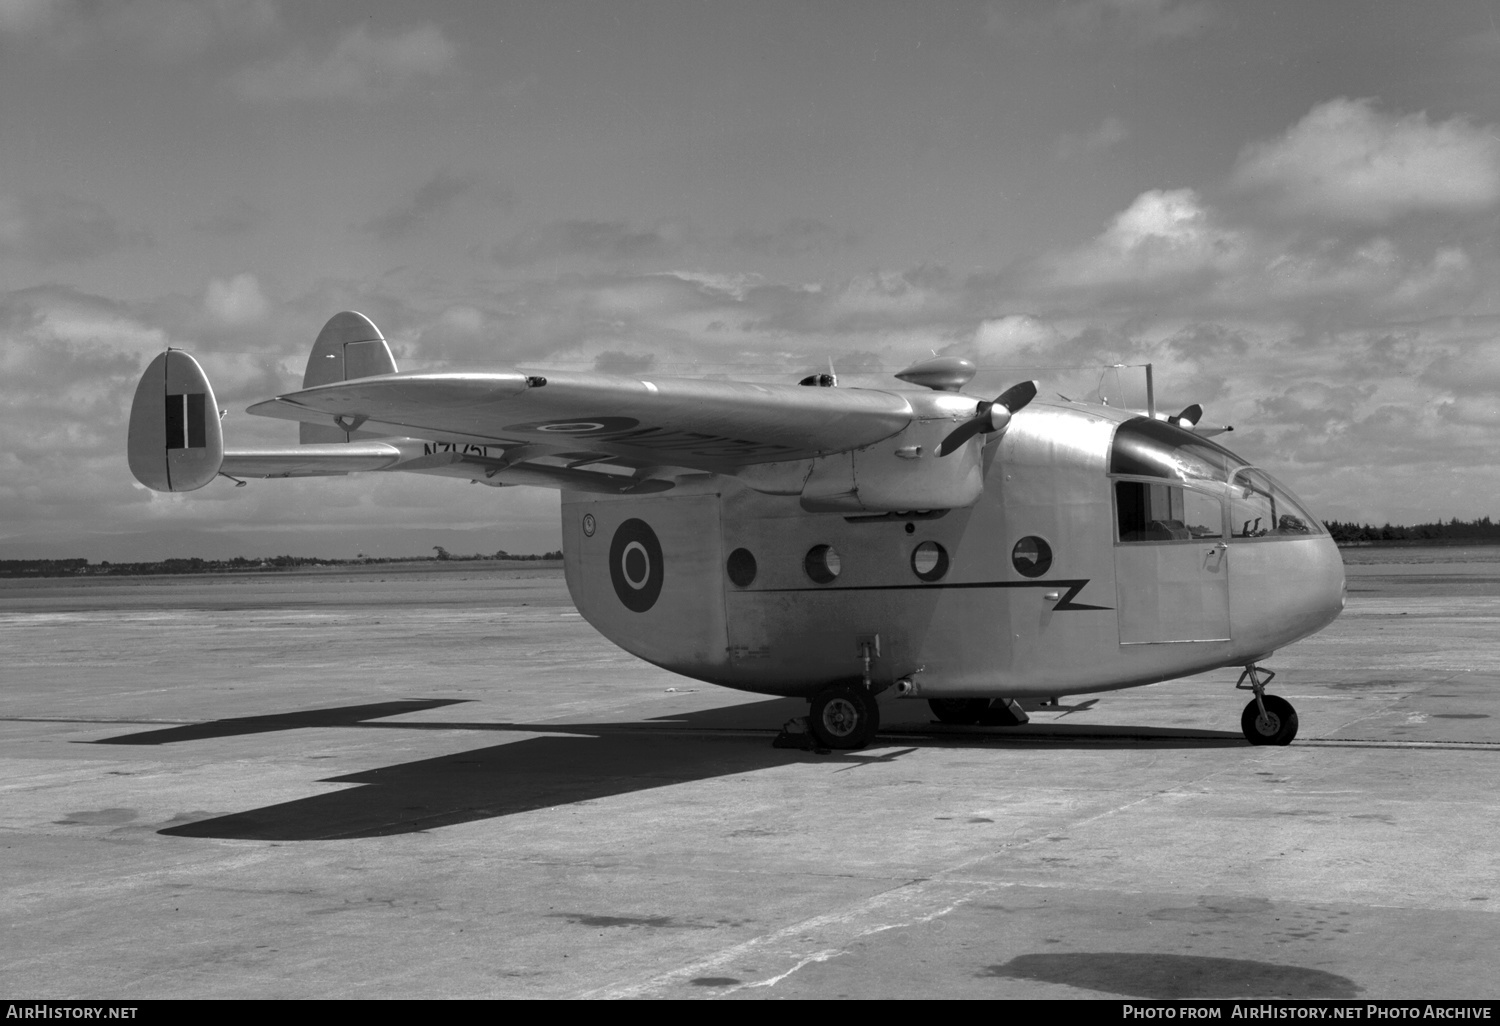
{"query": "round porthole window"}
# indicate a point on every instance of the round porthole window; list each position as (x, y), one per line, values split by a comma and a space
(1031, 557)
(741, 568)
(822, 564)
(929, 561)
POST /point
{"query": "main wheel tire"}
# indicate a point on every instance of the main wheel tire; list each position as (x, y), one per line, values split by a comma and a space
(844, 717)
(1277, 727)
(963, 711)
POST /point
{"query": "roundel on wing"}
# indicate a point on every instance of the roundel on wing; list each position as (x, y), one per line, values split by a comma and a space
(635, 565)
(578, 427)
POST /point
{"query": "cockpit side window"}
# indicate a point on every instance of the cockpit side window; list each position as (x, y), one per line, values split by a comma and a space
(1147, 511)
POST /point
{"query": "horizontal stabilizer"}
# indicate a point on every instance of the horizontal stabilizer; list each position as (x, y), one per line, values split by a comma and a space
(310, 460)
(175, 442)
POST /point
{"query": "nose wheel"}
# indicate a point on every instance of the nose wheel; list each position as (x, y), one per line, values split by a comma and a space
(844, 716)
(1267, 719)
(1276, 724)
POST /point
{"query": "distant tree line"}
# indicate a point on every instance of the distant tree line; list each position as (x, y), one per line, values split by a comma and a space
(1452, 532)
(195, 565)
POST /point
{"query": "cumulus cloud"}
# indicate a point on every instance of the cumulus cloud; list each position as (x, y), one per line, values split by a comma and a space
(173, 30)
(1015, 339)
(237, 216)
(613, 361)
(164, 30)
(1347, 160)
(1170, 251)
(1373, 238)
(1132, 22)
(1467, 364)
(361, 66)
(235, 302)
(601, 240)
(1163, 237)
(797, 236)
(22, 17)
(51, 228)
(1305, 400)
(1108, 134)
(70, 361)
(432, 200)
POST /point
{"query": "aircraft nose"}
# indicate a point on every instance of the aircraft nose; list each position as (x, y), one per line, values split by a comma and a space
(1285, 590)
(1327, 590)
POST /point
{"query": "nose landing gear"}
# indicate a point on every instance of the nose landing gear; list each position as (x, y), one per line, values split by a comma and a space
(1267, 719)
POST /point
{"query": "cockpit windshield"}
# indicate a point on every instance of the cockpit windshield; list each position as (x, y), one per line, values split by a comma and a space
(1194, 473)
(1259, 506)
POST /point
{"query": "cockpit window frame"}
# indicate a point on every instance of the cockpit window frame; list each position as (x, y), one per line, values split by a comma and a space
(1155, 453)
(1277, 492)
(1217, 495)
(1136, 451)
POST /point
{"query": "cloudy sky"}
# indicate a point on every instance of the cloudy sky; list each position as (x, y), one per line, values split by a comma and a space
(1289, 208)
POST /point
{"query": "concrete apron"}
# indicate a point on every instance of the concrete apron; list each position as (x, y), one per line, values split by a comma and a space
(445, 784)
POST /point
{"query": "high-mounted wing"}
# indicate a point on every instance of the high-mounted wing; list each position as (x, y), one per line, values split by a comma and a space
(704, 425)
(846, 450)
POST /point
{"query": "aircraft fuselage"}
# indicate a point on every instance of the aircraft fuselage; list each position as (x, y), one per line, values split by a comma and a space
(1104, 551)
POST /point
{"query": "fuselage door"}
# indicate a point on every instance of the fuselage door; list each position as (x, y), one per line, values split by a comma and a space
(1171, 564)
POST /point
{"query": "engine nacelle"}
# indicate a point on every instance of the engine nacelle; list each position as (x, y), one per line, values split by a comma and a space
(903, 472)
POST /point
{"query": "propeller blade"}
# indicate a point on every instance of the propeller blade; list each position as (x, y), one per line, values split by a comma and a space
(990, 416)
(961, 434)
(1190, 415)
(1017, 396)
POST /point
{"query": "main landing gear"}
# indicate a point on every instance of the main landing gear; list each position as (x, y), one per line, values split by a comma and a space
(1268, 719)
(844, 716)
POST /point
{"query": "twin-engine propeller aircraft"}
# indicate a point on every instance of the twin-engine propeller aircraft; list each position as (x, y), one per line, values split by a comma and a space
(831, 543)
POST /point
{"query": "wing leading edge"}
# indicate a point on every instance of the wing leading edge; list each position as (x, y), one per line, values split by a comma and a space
(701, 425)
(848, 450)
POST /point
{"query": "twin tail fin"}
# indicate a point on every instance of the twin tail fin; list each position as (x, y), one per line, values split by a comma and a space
(176, 443)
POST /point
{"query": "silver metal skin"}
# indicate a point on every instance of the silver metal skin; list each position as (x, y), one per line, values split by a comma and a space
(983, 630)
(787, 540)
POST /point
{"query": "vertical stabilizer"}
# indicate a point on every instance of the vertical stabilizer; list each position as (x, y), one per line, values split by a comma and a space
(175, 442)
(348, 347)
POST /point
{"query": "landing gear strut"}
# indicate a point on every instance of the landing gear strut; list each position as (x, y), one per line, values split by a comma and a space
(1268, 719)
(844, 715)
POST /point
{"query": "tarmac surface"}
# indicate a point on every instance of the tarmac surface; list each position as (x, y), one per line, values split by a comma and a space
(425, 782)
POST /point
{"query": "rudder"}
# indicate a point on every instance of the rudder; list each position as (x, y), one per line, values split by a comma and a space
(348, 347)
(175, 442)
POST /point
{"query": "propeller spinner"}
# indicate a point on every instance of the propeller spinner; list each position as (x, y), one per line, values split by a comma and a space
(990, 416)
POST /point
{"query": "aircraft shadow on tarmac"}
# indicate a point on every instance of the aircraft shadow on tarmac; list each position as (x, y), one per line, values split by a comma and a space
(1169, 977)
(343, 716)
(593, 760)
